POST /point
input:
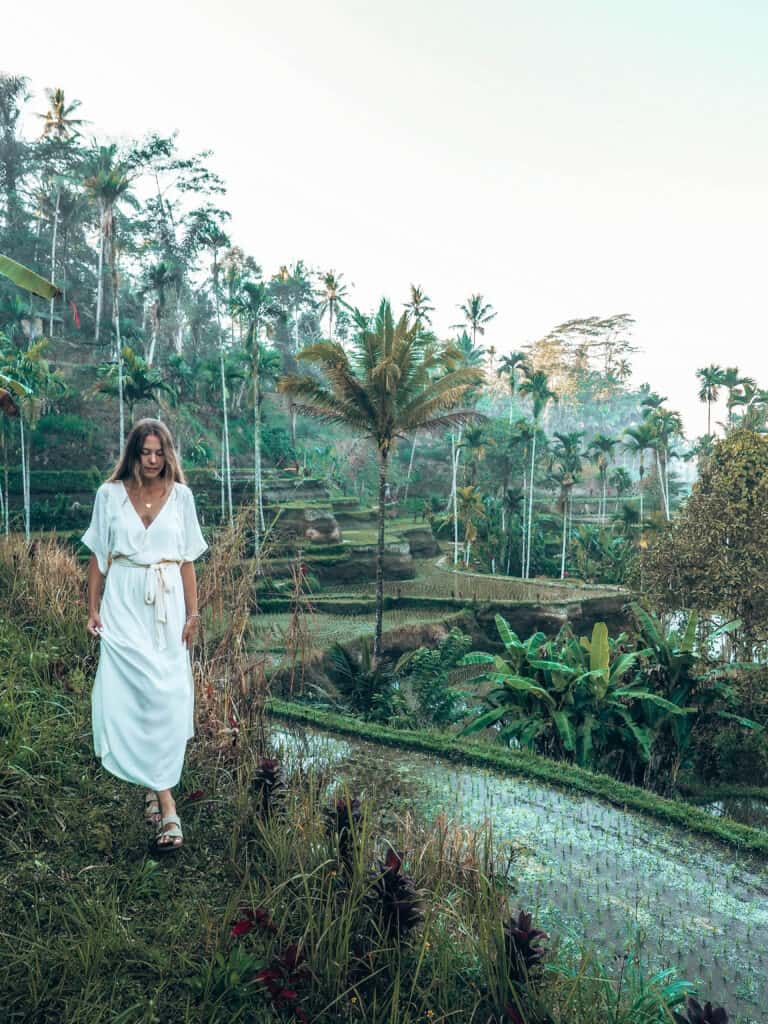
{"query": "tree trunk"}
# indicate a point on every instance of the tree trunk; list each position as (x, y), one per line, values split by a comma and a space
(530, 507)
(24, 479)
(6, 508)
(225, 451)
(100, 280)
(383, 467)
(53, 256)
(118, 343)
(410, 467)
(660, 474)
(523, 523)
(454, 498)
(565, 535)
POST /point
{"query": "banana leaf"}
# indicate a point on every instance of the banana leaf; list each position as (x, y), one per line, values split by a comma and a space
(521, 685)
(642, 736)
(510, 639)
(661, 702)
(564, 729)
(27, 279)
(748, 723)
(552, 666)
(486, 719)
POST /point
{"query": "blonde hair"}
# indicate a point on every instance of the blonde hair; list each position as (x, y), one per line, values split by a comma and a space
(129, 464)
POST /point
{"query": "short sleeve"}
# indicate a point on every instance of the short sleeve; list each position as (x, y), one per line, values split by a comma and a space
(96, 537)
(193, 544)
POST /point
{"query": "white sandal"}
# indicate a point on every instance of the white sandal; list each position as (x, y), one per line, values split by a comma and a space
(152, 809)
(173, 834)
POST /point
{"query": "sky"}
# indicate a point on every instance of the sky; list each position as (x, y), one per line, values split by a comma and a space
(564, 158)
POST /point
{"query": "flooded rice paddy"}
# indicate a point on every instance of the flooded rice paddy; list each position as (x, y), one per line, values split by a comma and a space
(592, 874)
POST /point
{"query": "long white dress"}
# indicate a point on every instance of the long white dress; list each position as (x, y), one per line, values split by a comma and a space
(143, 697)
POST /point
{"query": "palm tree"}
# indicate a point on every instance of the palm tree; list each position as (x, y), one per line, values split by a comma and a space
(640, 441)
(213, 238)
(477, 313)
(61, 127)
(711, 380)
(536, 386)
(601, 451)
(665, 426)
(475, 443)
(471, 511)
(732, 380)
(58, 120)
(256, 306)
(139, 381)
(568, 456)
(331, 295)
(383, 390)
(108, 179)
(158, 278)
(419, 306)
(508, 367)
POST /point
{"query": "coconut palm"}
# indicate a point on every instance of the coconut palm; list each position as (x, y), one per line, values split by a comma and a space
(475, 444)
(108, 180)
(256, 306)
(711, 380)
(535, 385)
(732, 381)
(640, 440)
(332, 295)
(59, 127)
(419, 306)
(385, 388)
(212, 237)
(665, 426)
(567, 457)
(139, 381)
(601, 450)
(508, 367)
(471, 511)
(58, 120)
(477, 313)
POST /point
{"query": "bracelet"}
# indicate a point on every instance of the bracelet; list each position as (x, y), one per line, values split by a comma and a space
(190, 618)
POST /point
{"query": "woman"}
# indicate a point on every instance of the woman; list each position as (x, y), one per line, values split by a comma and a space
(145, 536)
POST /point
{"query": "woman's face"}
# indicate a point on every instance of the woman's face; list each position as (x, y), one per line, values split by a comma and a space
(152, 457)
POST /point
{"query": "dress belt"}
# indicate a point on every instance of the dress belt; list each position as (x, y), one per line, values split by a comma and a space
(156, 586)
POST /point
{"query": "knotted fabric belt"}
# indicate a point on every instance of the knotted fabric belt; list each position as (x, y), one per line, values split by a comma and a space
(156, 586)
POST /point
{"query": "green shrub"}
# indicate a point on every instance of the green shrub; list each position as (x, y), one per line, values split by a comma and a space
(733, 755)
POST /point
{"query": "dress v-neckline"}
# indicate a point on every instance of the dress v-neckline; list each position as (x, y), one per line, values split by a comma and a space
(146, 527)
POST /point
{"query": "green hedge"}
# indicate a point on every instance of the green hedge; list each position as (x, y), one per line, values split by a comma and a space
(532, 766)
(57, 481)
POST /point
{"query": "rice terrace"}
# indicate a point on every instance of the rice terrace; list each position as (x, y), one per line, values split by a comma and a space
(375, 651)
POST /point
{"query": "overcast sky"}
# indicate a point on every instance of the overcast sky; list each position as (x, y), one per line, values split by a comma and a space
(566, 158)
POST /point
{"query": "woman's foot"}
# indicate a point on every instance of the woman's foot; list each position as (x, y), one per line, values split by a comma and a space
(170, 836)
(151, 808)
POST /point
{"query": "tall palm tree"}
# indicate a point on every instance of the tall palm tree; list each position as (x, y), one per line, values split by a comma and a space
(108, 179)
(732, 380)
(61, 127)
(508, 367)
(475, 444)
(383, 390)
(332, 295)
(711, 380)
(665, 426)
(419, 306)
(477, 313)
(536, 385)
(159, 277)
(567, 457)
(601, 450)
(256, 305)
(58, 120)
(640, 440)
(471, 511)
(214, 238)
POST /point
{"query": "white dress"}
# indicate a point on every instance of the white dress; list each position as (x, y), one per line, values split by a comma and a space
(143, 697)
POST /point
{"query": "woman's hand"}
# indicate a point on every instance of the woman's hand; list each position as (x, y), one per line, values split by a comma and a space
(94, 626)
(189, 632)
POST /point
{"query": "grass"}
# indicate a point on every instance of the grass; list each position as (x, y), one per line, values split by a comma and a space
(542, 769)
(95, 926)
(270, 628)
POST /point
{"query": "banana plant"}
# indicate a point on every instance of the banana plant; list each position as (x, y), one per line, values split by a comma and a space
(683, 673)
(567, 697)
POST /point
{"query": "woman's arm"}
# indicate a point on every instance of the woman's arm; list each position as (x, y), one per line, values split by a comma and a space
(189, 582)
(95, 584)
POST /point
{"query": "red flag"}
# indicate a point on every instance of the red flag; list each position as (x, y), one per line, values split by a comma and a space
(75, 315)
